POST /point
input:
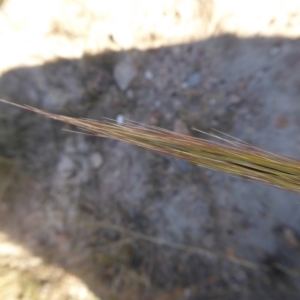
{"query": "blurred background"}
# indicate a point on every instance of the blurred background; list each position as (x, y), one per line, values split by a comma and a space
(87, 218)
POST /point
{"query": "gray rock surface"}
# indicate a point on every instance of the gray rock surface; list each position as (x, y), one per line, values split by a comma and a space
(194, 63)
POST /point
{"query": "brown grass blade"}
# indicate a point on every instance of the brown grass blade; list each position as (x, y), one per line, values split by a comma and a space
(236, 158)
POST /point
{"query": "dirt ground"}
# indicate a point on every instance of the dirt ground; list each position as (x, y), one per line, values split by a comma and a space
(87, 218)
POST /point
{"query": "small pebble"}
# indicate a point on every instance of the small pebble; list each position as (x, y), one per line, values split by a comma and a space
(148, 75)
(155, 117)
(157, 104)
(181, 127)
(96, 160)
(234, 99)
(120, 119)
(66, 166)
(184, 85)
(193, 80)
(212, 101)
(124, 73)
(130, 94)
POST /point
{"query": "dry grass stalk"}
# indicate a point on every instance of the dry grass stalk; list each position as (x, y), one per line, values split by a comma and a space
(236, 158)
(190, 249)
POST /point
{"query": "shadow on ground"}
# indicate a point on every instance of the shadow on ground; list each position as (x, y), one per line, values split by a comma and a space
(71, 190)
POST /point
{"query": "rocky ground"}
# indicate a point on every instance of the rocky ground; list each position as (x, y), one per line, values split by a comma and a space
(130, 223)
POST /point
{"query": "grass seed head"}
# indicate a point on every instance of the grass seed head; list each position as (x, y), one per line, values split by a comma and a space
(235, 157)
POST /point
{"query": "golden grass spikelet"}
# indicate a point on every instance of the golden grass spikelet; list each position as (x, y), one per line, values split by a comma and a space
(236, 158)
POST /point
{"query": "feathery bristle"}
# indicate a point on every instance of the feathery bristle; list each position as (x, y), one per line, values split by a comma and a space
(236, 158)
